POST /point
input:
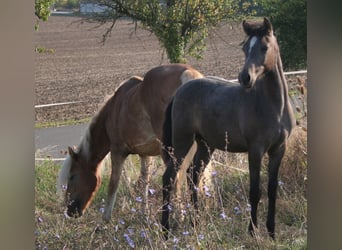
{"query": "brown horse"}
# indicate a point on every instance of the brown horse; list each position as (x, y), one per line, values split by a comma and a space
(130, 122)
(254, 117)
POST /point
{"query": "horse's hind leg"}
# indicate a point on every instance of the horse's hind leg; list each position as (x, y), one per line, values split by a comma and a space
(201, 160)
(173, 160)
(275, 157)
(117, 163)
(144, 179)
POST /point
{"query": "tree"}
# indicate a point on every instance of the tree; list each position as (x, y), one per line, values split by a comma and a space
(289, 19)
(180, 26)
(42, 10)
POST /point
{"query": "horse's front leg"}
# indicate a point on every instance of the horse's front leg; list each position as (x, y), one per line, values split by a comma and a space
(254, 160)
(117, 163)
(275, 157)
(144, 179)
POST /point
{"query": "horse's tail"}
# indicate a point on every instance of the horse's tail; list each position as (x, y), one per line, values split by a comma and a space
(167, 134)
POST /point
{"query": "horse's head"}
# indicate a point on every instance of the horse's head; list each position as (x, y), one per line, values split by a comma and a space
(260, 49)
(81, 181)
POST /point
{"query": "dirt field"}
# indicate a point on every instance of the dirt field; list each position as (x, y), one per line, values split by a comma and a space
(81, 68)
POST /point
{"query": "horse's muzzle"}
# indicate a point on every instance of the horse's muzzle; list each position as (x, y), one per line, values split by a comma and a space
(245, 80)
(74, 209)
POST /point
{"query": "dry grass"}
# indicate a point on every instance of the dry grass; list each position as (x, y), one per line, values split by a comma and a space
(221, 223)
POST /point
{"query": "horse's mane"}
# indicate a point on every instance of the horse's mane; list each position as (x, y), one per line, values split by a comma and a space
(63, 175)
(62, 179)
(124, 85)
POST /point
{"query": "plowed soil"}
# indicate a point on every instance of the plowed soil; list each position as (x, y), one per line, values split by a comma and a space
(77, 66)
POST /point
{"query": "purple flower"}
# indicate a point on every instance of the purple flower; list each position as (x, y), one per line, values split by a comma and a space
(129, 240)
(151, 191)
(122, 222)
(186, 233)
(101, 210)
(139, 199)
(40, 219)
(133, 210)
(200, 237)
(237, 210)
(143, 234)
(130, 230)
(175, 240)
(214, 173)
(223, 215)
(281, 183)
(206, 191)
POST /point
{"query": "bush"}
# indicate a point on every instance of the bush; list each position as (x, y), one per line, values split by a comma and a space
(289, 22)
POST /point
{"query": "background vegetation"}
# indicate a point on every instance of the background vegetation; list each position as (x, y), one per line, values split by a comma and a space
(289, 19)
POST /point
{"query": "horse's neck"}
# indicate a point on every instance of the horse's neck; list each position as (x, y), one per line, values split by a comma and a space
(276, 90)
(95, 144)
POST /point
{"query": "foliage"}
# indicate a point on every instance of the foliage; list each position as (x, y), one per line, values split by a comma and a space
(289, 21)
(42, 10)
(180, 26)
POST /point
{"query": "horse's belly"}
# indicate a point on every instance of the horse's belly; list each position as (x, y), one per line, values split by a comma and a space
(150, 148)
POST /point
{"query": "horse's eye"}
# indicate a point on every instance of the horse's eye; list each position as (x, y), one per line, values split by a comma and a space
(264, 48)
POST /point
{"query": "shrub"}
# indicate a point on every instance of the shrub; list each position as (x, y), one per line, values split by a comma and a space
(289, 22)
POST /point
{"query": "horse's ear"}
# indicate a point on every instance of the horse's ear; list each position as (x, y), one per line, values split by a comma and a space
(246, 27)
(72, 153)
(268, 25)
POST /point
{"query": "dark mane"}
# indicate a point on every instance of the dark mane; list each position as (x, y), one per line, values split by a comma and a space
(257, 27)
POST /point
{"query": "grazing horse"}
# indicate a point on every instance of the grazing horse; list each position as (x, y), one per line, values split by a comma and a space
(254, 116)
(130, 122)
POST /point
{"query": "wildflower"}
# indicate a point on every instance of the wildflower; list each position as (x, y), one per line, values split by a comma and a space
(57, 236)
(280, 183)
(39, 219)
(122, 222)
(214, 173)
(206, 191)
(175, 240)
(139, 199)
(151, 191)
(183, 211)
(130, 230)
(116, 228)
(143, 234)
(186, 233)
(200, 237)
(129, 240)
(237, 210)
(248, 208)
(169, 207)
(64, 187)
(133, 210)
(101, 210)
(223, 215)
(116, 239)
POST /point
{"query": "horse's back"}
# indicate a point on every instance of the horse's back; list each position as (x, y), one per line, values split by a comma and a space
(159, 86)
(210, 109)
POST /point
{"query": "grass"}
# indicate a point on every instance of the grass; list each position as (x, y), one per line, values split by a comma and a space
(62, 123)
(220, 224)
